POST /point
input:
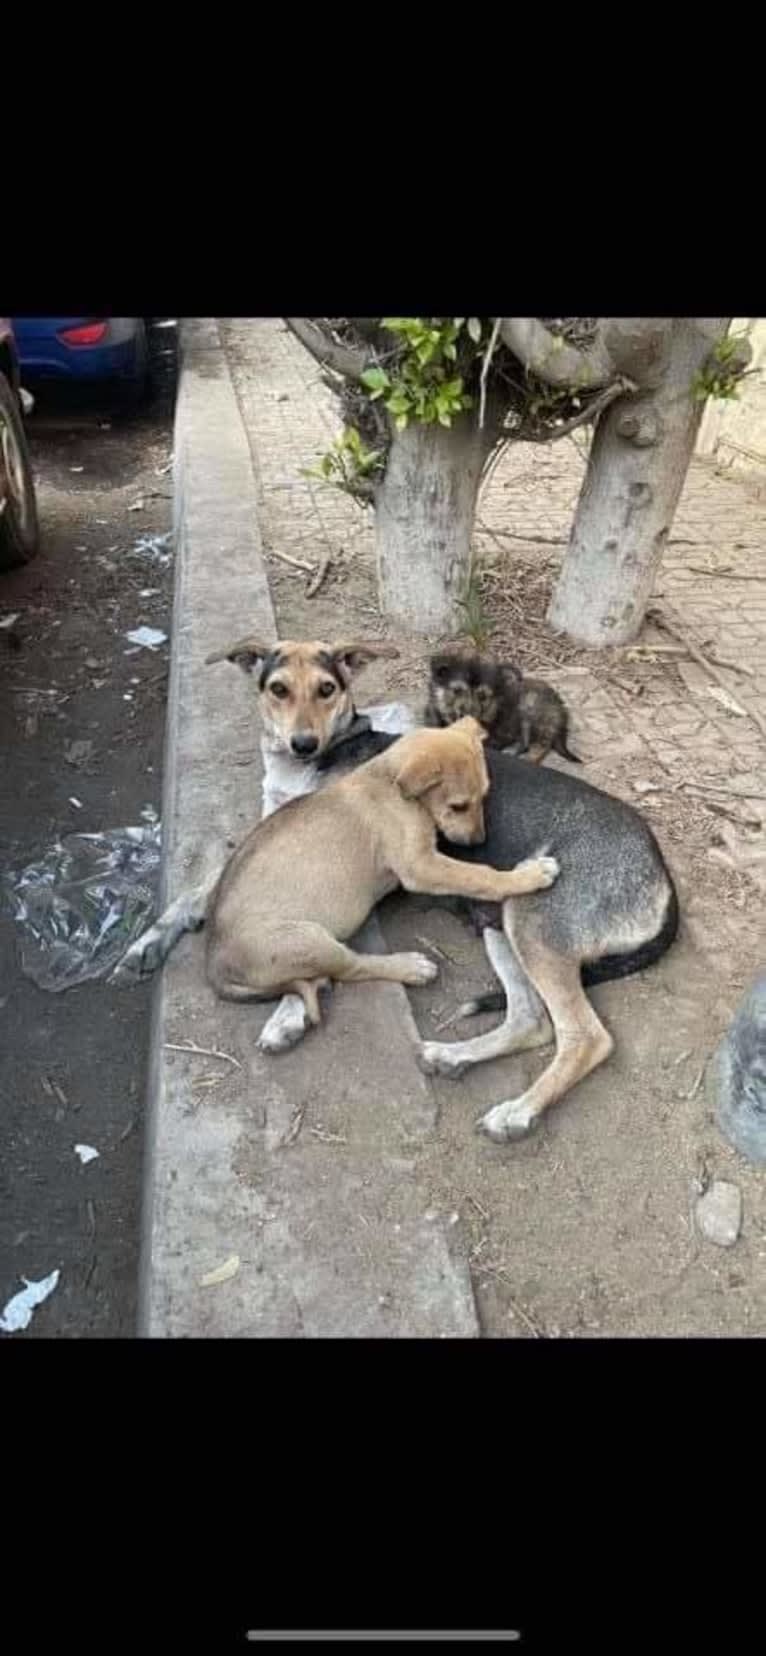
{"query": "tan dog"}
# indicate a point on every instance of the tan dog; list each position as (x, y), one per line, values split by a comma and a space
(308, 877)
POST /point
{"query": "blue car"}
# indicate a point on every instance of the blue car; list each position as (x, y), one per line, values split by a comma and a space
(85, 348)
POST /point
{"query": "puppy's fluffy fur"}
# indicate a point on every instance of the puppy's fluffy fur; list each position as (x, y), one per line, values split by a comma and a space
(521, 715)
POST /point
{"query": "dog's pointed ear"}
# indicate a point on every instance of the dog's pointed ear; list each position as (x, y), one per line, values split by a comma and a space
(246, 653)
(471, 727)
(351, 658)
(418, 769)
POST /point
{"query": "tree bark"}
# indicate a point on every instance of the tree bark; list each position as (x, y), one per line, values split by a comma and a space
(424, 518)
(638, 462)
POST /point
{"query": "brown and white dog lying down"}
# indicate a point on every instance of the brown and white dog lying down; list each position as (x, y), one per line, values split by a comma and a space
(311, 734)
(307, 878)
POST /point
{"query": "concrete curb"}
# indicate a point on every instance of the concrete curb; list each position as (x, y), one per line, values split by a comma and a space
(305, 1166)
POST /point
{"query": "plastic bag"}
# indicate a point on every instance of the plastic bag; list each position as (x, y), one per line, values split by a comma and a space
(393, 718)
(82, 905)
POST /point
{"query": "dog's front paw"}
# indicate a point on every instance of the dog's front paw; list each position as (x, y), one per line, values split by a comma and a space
(144, 957)
(537, 873)
(418, 969)
(507, 1121)
(439, 1058)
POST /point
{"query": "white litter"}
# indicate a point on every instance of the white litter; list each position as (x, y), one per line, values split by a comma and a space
(86, 1153)
(8, 621)
(149, 592)
(76, 468)
(154, 548)
(222, 1273)
(168, 322)
(137, 506)
(726, 701)
(18, 1311)
(149, 637)
(76, 802)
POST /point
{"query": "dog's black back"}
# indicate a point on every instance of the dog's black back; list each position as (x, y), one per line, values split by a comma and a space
(613, 882)
(613, 875)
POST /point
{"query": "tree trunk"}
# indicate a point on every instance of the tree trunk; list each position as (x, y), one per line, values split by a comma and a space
(424, 518)
(638, 462)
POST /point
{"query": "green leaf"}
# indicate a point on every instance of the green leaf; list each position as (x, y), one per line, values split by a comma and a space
(445, 419)
(401, 422)
(375, 379)
(451, 352)
(458, 321)
(474, 329)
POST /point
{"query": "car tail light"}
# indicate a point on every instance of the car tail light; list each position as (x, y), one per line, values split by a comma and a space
(91, 333)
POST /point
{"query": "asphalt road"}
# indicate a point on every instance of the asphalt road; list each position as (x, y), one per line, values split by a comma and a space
(81, 719)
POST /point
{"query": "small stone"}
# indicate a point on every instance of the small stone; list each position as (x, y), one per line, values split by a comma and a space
(719, 1213)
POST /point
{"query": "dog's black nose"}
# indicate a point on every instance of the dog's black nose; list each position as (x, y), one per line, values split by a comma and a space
(304, 745)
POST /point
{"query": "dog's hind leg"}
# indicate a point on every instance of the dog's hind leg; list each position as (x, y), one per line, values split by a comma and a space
(186, 914)
(526, 1023)
(582, 1042)
(305, 957)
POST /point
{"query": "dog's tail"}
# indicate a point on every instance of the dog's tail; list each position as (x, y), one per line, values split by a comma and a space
(605, 970)
(560, 746)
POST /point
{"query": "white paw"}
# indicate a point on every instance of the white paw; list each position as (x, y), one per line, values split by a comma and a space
(439, 1058)
(142, 958)
(417, 968)
(286, 1027)
(507, 1121)
(541, 870)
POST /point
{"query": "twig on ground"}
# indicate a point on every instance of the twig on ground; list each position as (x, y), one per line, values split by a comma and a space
(696, 1084)
(682, 650)
(327, 1138)
(320, 574)
(206, 1052)
(296, 1122)
(718, 787)
(727, 573)
(478, 1207)
(295, 563)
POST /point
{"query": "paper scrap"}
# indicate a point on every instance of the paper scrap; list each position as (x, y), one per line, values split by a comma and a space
(222, 1273)
(86, 1153)
(18, 1311)
(149, 637)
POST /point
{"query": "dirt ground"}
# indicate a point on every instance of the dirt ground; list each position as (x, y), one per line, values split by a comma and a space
(587, 1228)
(72, 1065)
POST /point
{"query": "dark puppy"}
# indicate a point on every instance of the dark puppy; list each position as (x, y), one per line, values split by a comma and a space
(521, 715)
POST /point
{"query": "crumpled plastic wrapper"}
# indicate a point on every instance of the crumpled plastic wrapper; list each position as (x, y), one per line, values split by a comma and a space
(81, 906)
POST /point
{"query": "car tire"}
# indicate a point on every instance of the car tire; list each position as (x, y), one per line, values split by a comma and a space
(19, 530)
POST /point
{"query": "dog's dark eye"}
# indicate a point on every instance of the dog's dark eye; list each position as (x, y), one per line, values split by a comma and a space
(279, 690)
(441, 674)
(462, 805)
(327, 689)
